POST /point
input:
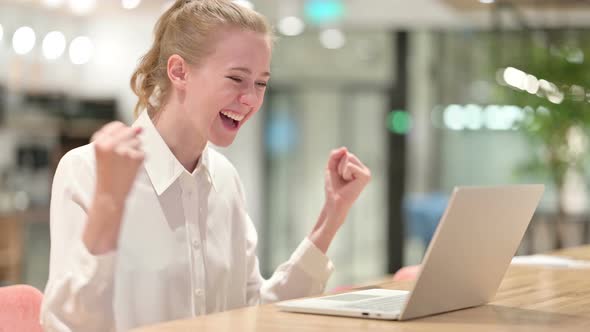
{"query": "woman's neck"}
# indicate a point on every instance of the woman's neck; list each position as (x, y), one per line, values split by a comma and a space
(184, 141)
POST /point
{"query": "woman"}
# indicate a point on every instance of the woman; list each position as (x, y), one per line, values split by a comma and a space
(148, 224)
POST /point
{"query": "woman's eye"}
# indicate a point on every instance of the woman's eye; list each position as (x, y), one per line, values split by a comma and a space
(262, 84)
(235, 79)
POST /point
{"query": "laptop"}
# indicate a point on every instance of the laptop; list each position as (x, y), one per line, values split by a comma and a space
(466, 260)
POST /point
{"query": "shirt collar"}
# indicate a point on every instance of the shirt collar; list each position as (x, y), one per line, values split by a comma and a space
(160, 163)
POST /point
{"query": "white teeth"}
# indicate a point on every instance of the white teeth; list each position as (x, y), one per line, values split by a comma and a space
(234, 116)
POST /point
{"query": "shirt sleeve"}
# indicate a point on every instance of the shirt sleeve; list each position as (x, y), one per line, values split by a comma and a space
(304, 274)
(79, 292)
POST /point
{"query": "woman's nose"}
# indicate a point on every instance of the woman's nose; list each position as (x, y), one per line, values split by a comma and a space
(248, 99)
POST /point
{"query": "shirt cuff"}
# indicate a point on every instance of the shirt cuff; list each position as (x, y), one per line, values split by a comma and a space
(94, 268)
(312, 260)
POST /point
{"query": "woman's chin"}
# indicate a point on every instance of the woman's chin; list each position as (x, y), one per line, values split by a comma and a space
(221, 141)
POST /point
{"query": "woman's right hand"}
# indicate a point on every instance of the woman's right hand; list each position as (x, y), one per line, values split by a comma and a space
(119, 157)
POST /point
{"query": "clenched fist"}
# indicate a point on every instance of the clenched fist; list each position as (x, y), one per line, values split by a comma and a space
(346, 177)
(118, 159)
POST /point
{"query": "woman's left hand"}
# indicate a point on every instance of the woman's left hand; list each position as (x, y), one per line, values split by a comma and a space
(346, 177)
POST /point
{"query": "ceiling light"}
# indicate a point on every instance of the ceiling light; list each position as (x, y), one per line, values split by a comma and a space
(332, 38)
(245, 3)
(81, 50)
(52, 3)
(23, 40)
(291, 26)
(54, 45)
(130, 4)
(82, 7)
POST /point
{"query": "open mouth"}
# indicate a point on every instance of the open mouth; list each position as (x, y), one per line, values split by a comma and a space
(230, 119)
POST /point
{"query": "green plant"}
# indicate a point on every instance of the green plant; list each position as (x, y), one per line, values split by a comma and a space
(552, 85)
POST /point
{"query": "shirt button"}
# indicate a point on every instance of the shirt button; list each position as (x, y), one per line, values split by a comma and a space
(198, 292)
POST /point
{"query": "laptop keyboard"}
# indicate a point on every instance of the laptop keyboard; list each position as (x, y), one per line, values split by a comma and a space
(389, 303)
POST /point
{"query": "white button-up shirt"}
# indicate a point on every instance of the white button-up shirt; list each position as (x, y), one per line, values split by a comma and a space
(187, 246)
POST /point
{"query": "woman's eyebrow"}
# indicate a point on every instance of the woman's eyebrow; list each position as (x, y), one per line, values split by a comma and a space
(248, 71)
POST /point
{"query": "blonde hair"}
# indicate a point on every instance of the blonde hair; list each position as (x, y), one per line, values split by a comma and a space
(187, 29)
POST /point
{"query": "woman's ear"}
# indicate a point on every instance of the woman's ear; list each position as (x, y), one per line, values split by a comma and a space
(177, 71)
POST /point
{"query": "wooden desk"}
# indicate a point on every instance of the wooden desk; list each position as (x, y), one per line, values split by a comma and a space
(529, 299)
(11, 249)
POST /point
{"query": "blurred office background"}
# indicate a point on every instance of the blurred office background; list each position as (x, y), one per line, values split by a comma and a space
(430, 94)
